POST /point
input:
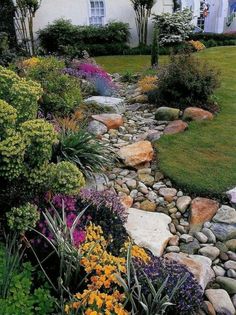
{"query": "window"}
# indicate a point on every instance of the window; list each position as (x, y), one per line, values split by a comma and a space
(204, 11)
(97, 12)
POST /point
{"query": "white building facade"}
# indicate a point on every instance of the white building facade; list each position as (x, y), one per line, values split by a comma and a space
(97, 12)
(213, 16)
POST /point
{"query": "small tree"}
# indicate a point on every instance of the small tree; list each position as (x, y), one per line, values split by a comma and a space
(142, 10)
(175, 27)
(155, 47)
(24, 18)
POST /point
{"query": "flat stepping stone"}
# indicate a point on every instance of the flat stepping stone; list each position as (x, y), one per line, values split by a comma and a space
(175, 126)
(111, 121)
(113, 104)
(149, 229)
(195, 113)
(136, 153)
(200, 266)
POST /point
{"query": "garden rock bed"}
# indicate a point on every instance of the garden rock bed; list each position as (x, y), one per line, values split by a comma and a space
(201, 233)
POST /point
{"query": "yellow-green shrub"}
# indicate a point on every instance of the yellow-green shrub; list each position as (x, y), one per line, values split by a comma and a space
(22, 94)
(66, 178)
(8, 116)
(23, 218)
(39, 136)
(12, 151)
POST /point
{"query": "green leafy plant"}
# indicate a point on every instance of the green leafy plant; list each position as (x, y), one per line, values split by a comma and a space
(185, 82)
(18, 295)
(66, 178)
(23, 218)
(83, 149)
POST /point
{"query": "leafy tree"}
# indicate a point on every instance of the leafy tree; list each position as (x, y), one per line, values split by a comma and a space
(142, 10)
(175, 27)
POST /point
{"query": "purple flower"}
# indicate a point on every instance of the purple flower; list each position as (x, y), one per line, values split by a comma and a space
(96, 75)
(105, 198)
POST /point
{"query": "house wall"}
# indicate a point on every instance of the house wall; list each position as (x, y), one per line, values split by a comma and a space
(78, 12)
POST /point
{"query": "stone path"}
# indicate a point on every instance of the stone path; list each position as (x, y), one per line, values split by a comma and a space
(199, 232)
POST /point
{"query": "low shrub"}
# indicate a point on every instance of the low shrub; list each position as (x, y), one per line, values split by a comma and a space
(61, 92)
(147, 84)
(83, 149)
(63, 38)
(185, 82)
(22, 296)
(22, 94)
(23, 218)
(197, 45)
(65, 178)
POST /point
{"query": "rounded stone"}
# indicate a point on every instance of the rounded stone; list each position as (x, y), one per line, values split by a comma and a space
(219, 271)
(183, 203)
(202, 238)
(210, 252)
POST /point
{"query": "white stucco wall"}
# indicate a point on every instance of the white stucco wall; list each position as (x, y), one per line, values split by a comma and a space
(78, 12)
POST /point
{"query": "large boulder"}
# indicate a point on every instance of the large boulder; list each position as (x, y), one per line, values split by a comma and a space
(220, 301)
(149, 229)
(111, 121)
(167, 113)
(175, 126)
(195, 113)
(202, 210)
(200, 266)
(136, 153)
(113, 104)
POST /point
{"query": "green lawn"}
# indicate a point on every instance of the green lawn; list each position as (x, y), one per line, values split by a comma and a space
(123, 64)
(203, 159)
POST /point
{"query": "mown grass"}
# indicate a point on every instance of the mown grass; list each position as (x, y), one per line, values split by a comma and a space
(123, 64)
(203, 159)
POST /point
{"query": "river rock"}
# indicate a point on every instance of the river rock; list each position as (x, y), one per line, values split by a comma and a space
(167, 114)
(136, 153)
(200, 266)
(227, 284)
(226, 215)
(209, 234)
(202, 210)
(224, 232)
(221, 301)
(175, 126)
(191, 247)
(232, 195)
(148, 206)
(196, 113)
(113, 104)
(230, 264)
(231, 244)
(112, 121)
(149, 229)
(210, 252)
(183, 203)
(168, 193)
(97, 128)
